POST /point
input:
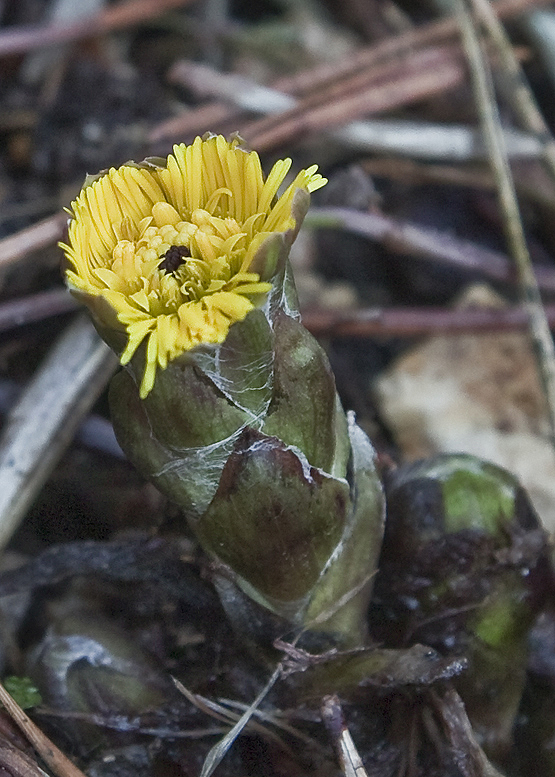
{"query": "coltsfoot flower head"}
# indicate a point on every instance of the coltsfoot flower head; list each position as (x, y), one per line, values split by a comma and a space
(169, 252)
(245, 432)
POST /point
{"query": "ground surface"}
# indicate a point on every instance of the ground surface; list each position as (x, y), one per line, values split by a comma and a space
(404, 276)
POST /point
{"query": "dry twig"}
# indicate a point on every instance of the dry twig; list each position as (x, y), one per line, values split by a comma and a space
(347, 753)
(407, 238)
(50, 754)
(318, 79)
(518, 92)
(35, 307)
(432, 34)
(40, 235)
(17, 40)
(217, 753)
(485, 99)
(408, 138)
(43, 421)
(416, 322)
(406, 80)
(426, 140)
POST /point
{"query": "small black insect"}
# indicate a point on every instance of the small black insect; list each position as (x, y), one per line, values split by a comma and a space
(173, 258)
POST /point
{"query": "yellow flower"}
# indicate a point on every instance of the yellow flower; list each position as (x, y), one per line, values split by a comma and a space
(170, 247)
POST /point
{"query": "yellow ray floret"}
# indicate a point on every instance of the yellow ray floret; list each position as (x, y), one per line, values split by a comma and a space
(169, 248)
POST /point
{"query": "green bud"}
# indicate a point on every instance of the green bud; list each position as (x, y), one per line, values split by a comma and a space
(251, 441)
(459, 572)
(87, 664)
(303, 406)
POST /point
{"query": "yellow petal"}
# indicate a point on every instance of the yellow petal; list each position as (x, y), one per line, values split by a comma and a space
(163, 213)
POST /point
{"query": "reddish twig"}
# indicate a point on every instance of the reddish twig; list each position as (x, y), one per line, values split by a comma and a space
(397, 236)
(428, 72)
(416, 322)
(384, 322)
(17, 40)
(429, 35)
(315, 80)
(212, 115)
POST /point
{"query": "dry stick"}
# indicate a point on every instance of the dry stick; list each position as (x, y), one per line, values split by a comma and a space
(518, 93)
(422, 74)
(218, 711)
(385, 86)
(370, 322)
(347, 753)
(277, 718)
(211, 115)
(424, 140)
(217, 753)
(530, 186)
(50, 754)
(41, 235)
(36, 307)
(363, 322)
(396, 235)
(416, 322)
(16, 763)
(380, 74)
(485, 98)
(17, 40)
(433, 33)
(404, 237)
(430, 71)
(43, 421)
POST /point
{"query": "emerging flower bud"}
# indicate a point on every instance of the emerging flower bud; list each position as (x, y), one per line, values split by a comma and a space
(86, 664)
(228, 404)
(462, 569)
